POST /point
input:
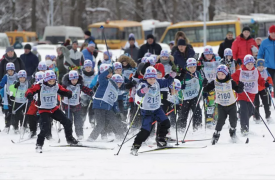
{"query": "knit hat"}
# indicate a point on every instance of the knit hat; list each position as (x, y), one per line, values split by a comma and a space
(104, 67)
(144, 60)
(246, 29)
(75, 42)
(164, 53)
(223, 68)
(208, 50)
(10, 48)
(88, 63)
(48, 56)
(191, 62)
(39, 76)
(28, 46)
(91, 44)
(272, 29)
(22, 73)
(248, 59)
(53, 57)
(131, 37)
(151, 60)
(228, 52)
(150, 72)
(150, 36)
(42, 66)
(10, 66)
(147, 54)
(160, 69)
(117, 65)
(49, 75)
(87, 33)
(181, 42)
(110, 53)
(260, 62)
(172, 42)
(117, 78)
(176, 84)
(73, 75)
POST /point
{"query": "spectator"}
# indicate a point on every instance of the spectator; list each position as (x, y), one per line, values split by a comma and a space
(88, 53)
(183, 53)
(243, 44)
(267, 52)
(35, 52)
(132, 49)
(258, 41)
(151, 46)
(11, 56)
(127, 45)
(30, 60)
(179, 35)
(74, 63)
(83, 46)
(227, 43)
(171, 45)
(60, 62)
(88, 39)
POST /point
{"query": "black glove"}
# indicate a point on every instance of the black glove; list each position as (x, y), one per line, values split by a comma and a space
(240, 87)
(69, 94)
(239, 61)
(30, 96)
(266, 84)
(204, 82)
(16, 85)
(183, 86)
(12, 98)
(205, 95)
(134, 83)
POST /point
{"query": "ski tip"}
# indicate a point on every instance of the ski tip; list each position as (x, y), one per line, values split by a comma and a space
(182, 141)
(12, 141)
(247, 141)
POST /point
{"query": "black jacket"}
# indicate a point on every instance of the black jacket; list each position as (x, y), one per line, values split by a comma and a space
(226, 44)
(18, 63)
(180, 58)
(31, 63)
(154, 48)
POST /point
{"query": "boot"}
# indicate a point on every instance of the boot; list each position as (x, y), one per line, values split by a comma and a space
(71, 140)
(244, 132)
(134, 149)
(215, 137)
(38, 148)
(32, 134)
(161, 142)
(232, 132)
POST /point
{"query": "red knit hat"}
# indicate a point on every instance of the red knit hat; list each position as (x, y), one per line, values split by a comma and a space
(272, 29)
(160, 68)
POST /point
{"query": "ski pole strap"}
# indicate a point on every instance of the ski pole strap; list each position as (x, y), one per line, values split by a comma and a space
(13, 112)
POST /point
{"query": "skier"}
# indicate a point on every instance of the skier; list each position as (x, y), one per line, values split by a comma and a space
(47, 101)
(229, 61)
(226, 99)
(149, 100)
(128, 65)
(251, 78)
(263, 93)
(191, 85)
(167, 60)
(74, 82)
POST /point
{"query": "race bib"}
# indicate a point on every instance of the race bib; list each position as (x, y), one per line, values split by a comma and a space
(111, 94)
(210, 70)
(192, 88)
(224, 93)
(48, 96)
(74, 100)
(20, 94)
(173, 99)
(126, 73)
(250, 80)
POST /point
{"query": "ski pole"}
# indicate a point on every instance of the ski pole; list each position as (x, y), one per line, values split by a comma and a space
(194, 76)
(259, 114)
(192, 116)
(102, 27)
(11, 120)
(13, 112)
(130, 125)
(271, 97)
(22, 125)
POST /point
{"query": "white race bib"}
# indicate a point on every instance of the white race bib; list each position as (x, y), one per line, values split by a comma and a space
(126, 73)
(48, 96)
(192, 88)
(250, 80)
(20, 94)
(10, 81)
(224, 93)
(74, 100)
(174, 99)
(111, 94)
(210, 70)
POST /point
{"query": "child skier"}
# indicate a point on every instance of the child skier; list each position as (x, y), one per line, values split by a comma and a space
(149, 100)
(105, 105)
(167, 60)
(47, 101)
(74, 82)
(191, 86)
(226, 99)
(228, 60)
(263, 93)
(207, 66)
(128, 65)
(251, 78)
(5, 83)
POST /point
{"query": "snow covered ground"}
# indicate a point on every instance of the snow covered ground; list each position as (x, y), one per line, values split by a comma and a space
(225, 160)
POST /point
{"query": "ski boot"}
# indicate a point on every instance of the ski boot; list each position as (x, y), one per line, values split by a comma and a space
(215, 137)
(232, 132)
(71, 140)
(134, 149)
(161, 142)
(38, 148)
(244, 132)
(32, 134)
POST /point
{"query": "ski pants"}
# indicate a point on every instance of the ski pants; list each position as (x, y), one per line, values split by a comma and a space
(265, 98)
(33, 121)
(148, 117)
(76, 118)
(223, 112)
(45, 122)
(105, 118)
(19, 115)
(246, 111)
(188, 105)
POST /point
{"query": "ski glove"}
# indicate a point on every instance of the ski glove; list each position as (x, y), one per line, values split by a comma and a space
(16, 85)
(69, 94)
(266, 84)
(183, 86)
(239, 61)
(144, 90)
(173, 74)
(240, 87)
(30, 96)
(204, 82)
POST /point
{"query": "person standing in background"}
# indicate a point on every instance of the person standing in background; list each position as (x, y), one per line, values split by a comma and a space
(227, 43)
(133, 48)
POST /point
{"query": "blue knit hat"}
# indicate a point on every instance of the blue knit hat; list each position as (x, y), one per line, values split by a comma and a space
(260, 62)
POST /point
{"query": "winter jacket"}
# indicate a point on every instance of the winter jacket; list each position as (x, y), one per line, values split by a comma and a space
(180, 58)
(175, 48)
(18, 63)
(154, 48)
(241, 47)
(242, 96)
(103, 83)
(88, 55)
(169, 64)
(31, 62)
(61, 68)
(75, 57)
(130, 68)
(35, 89)
(268, 79)
(133, 51)
(226, 44)
(267, 52)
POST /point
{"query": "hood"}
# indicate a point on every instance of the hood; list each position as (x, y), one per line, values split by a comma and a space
(171, 58)
(66, 82)
(130, 61)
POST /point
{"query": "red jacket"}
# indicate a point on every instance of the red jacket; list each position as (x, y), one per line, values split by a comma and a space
(36, 89)
(241, 47)
(242, 96)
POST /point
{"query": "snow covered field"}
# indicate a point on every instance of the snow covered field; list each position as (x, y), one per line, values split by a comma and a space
(225, 160)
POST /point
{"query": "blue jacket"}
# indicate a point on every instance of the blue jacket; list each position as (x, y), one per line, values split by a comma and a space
(31, 62)
(3, 81)
(99, 104)
(267, 52)
(88, 55)
(180, 58)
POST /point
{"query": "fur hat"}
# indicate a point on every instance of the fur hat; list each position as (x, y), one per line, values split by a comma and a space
(127, 59)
